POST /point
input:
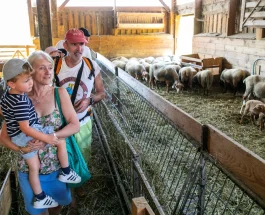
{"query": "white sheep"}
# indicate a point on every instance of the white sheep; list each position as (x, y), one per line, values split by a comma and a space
(204, 79)
(186, 74)
(119, 63)
(249, 107)
(251, 82)
(135, 69)
(149, 59)
(233, 78)
(167, 73)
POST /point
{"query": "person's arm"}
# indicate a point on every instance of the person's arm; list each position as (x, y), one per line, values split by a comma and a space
(70, 115)
(29, 131)
(6, 141)
(100, 94)
(100, 90)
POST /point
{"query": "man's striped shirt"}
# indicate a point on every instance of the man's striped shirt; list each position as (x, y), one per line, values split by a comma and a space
(16, 108)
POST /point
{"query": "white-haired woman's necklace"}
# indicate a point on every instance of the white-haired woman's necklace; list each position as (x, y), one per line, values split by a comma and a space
(40, 98)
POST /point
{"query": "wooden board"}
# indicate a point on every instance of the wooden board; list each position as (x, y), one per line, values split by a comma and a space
(242, 163)
(6, 195)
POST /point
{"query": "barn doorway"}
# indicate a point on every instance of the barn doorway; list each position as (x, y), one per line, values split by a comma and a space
(184, 35)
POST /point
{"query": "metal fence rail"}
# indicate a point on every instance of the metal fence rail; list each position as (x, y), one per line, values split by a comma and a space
(155, 158)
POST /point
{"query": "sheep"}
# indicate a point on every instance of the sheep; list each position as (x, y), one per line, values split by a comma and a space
(261, 121)
(119, 63)
(124, 59)
(233, 78)
(149, 59)
(135, 69)
(167, 73)
(186, 74)
(249, 108)
(205, 79)
(251, 82)
(260, 109)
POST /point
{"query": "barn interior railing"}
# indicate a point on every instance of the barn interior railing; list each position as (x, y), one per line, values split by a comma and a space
(179, 165)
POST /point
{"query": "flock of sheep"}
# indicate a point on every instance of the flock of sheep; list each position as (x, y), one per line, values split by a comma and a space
(169, 69)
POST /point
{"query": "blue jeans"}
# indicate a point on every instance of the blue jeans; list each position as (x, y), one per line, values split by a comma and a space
(22, 139)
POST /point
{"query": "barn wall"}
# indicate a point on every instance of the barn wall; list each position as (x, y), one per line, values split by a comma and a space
(129, 46)
(237, 52)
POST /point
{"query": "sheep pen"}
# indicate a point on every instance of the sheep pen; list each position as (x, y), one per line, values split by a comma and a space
(220, 110)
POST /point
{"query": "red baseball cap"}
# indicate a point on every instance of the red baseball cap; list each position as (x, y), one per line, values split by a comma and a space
(75, 36)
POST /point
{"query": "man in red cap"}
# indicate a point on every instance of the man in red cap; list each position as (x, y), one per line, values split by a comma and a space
(75, 42)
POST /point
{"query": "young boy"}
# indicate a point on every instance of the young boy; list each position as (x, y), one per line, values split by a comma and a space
(23, 125)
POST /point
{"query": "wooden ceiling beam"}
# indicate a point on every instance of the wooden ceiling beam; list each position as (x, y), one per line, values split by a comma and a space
(63, 5)
(165, 6)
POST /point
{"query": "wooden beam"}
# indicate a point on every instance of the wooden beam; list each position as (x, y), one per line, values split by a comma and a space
(31, 22)
(54, 18)
(259, 33)
(173, 23)
(256, 15)
(141, 207)
(43, 8)
(115, 14)
(243, 8)
(255, 23)
(63, 5)
(251, 12)
(231, 17)
(253, 3)
(165, 6)
(197, 15)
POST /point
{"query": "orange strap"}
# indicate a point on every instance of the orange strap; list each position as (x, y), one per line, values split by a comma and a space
(59, 65)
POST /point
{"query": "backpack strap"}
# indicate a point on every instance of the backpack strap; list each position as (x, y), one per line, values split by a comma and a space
(90, 66)
(57, 67)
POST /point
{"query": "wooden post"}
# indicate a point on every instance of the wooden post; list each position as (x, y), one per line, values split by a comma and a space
(43, 8)
(197, 16)
(141, 207)
(31, 22)
(243, 8)
(231, 17)
(173, 23)
(54, 18)
(259, 33)
(115, 14)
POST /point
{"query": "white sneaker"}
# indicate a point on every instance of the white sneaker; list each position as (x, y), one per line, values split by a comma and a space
(72, 177)
(47, 202)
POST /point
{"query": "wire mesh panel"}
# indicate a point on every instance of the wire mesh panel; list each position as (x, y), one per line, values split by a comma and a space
(157, 160)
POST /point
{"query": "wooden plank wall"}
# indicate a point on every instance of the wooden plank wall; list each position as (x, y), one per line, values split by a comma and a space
(215, 16)
(129, 45)
(96, 22)
(100, 21)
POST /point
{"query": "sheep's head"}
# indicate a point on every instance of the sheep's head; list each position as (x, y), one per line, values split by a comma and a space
(178, 86)
(145, 76)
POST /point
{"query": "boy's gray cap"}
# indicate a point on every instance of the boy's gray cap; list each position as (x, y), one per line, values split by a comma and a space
(12, 68)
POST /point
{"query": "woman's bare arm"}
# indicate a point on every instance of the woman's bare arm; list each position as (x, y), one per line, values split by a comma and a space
(70, 115)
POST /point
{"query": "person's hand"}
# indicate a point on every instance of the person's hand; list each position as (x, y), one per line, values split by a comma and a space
(81, 105)
(52, 140)
(35, 145)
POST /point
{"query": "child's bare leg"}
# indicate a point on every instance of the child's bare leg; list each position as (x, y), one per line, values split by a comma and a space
(34, 166)
(62, 153)
(68, 176)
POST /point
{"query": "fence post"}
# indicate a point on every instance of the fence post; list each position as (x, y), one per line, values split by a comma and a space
(202, 177)
(141, 207)
(117, 94)
(14, 191)
(136, 181)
